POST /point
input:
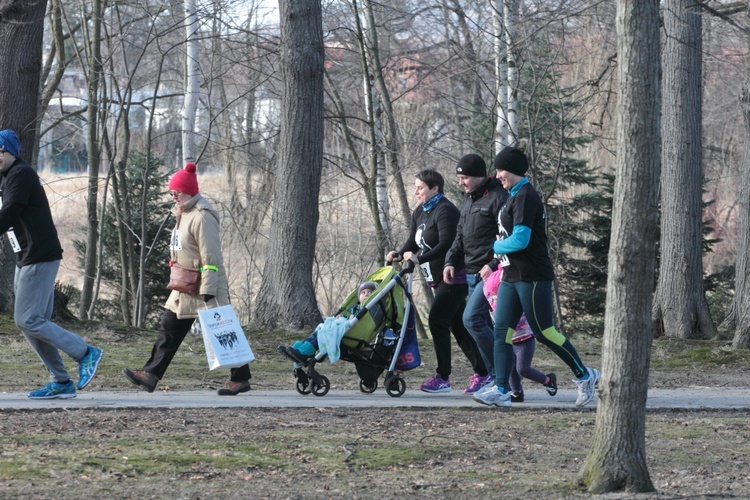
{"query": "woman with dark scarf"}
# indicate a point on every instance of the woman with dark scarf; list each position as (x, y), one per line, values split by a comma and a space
(433, 228)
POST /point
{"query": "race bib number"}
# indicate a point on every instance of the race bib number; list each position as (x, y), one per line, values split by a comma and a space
(425, 266)
(13, 241)
(504, 260)
(175, 242)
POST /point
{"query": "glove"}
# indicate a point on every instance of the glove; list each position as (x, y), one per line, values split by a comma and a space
(207, 297)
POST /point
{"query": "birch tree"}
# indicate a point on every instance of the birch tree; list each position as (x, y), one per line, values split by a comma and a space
(617, 458)
(192, 83)
(501, 73)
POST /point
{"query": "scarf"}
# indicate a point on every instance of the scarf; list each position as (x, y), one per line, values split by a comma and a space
(430, 204)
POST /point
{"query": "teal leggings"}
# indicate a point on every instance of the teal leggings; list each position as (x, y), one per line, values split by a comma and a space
(534, 298)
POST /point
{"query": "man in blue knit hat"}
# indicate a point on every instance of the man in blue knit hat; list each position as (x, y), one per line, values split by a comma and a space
(25, 216)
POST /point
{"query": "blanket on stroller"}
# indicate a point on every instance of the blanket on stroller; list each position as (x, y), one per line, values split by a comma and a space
(330, 333)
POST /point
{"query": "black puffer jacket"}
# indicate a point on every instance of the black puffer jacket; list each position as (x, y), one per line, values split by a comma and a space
(477, 227)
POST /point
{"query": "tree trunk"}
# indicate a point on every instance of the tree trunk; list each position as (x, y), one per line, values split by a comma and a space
(286, 296)
(192, 83)
(617, 458)
(501, 76)
(511, 19)
(742, 274)
(680, 309)
(93, 150)
(392, 144)
(21, 32)
(739, 314)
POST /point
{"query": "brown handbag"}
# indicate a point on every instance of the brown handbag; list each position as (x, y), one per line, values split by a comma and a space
(184, 279)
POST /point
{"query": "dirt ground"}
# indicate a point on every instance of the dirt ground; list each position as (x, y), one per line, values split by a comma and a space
(353, 453)
(481, 452)
(262, 453)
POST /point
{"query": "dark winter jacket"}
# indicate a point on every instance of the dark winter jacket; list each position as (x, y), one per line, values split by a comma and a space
(477, 227)
(26, 216)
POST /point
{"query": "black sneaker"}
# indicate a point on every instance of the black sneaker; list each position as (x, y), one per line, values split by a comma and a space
(551, 386)
(293, 354)
(516, 397)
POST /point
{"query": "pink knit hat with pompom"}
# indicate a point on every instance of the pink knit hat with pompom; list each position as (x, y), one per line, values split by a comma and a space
(185, 180)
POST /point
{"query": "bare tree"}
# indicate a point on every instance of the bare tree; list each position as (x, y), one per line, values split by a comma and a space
(286, 296)
(21, 30)
(617, 458)
(741, 306)
(93, 148)
(680, 309)
(192, 83)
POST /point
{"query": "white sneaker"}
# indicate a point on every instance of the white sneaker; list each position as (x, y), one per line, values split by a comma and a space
(486, 387)
(493, 397)
(587, 388)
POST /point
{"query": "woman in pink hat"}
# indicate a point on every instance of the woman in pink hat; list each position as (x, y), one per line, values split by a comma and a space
(195, 245)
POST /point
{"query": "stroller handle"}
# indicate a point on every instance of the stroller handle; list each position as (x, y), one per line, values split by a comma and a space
(407, 270)
(397, 257)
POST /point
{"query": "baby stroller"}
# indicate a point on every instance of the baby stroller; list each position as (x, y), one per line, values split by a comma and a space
(373, 338)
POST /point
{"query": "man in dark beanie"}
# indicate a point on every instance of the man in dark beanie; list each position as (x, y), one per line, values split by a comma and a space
(472, 250)
(26, 216)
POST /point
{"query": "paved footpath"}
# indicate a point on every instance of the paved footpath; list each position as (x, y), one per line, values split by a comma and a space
(692, 398)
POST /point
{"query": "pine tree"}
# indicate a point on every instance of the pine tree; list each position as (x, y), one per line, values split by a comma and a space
(577, 198)
(156, 210)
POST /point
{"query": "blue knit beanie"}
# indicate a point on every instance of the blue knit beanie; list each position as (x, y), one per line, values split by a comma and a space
(10, 143)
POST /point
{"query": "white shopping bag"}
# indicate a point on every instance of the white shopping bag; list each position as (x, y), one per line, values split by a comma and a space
(226, 344)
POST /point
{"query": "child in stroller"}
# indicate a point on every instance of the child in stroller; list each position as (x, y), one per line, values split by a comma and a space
(301, 351)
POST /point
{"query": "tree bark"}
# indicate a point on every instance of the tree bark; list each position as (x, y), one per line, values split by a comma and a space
(21, 34)
(739, 314)
(680, 307)
(511, 46)
(741, 304)
(617, 458)
(501, 75)
(286, 296)
(93, 150)
(192, 83)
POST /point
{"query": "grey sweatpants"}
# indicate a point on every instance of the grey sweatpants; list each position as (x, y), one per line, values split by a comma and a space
(34, 286)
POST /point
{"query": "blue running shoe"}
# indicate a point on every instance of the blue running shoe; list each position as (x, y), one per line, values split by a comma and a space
(88, 365)
(54, 390)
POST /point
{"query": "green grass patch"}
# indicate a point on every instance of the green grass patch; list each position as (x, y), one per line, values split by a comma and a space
(710, 355)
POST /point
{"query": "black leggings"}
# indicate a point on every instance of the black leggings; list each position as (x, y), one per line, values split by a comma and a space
(533, 298)
(446, 316)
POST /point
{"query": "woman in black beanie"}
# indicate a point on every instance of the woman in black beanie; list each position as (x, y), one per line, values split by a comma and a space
(527, 281)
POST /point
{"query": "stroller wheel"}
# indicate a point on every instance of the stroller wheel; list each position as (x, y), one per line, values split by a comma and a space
(322, 388)
(368, 387)
(395, 386)
(303, 387)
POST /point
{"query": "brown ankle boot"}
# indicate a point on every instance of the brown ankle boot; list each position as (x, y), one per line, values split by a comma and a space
(233, 388)
(144, 379)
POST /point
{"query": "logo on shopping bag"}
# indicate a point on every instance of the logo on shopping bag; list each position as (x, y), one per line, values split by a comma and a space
(227, 339)
(218, 322)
